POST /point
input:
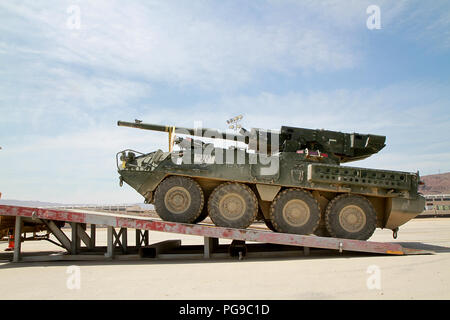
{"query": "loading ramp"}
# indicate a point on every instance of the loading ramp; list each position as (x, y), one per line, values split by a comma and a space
(267, 242)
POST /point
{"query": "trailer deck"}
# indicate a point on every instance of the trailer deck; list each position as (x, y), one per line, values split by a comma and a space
(117, 241)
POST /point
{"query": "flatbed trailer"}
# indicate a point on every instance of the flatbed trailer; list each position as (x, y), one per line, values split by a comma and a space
(117, 241)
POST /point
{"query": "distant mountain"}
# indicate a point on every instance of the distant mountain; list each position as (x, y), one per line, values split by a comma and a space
(33, 204)
(436, 184)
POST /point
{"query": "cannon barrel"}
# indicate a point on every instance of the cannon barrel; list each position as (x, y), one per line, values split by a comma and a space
(199, 132)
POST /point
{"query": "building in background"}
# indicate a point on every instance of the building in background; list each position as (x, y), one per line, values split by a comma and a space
(437, 205)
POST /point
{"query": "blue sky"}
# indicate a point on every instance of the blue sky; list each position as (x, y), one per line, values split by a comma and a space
(312, 64)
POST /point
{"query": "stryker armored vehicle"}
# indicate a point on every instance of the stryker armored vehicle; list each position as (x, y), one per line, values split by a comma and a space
(291, 178)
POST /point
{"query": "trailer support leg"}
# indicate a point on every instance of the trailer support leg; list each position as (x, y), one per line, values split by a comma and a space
(17, 239)
(209, 245)
(110, 243)
(306, 251)
(82, 235)
(124, 239)
(138, 238)
(75, 243)
(92, 240)
(141, 238)
(61, 236)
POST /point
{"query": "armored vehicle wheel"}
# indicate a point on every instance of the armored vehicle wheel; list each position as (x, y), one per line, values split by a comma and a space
(202, 215)
(179, 199)
(322, 231)
(295, 211)
(232, 205)
(351, 217)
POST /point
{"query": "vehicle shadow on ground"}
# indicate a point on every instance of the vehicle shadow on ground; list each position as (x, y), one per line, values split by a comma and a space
(424, 246)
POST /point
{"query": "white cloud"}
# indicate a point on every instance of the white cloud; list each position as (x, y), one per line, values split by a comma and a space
(365, 110)
(54, 97)
(427, 25)
(179, 44)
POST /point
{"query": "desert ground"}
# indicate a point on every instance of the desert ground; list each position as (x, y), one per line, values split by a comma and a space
(321, 275)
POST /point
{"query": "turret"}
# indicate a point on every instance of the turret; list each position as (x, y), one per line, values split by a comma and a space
(342, 147)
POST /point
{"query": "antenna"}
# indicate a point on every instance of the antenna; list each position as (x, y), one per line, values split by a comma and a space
(235, 124)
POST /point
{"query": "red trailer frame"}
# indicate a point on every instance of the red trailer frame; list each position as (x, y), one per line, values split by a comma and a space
(78, 219)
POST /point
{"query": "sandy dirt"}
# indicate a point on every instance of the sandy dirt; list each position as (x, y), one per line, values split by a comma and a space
(322, 275)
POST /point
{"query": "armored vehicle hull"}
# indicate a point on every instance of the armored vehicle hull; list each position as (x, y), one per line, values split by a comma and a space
(301, 192)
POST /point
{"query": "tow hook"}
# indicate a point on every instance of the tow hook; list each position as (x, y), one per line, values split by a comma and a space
(395, 233)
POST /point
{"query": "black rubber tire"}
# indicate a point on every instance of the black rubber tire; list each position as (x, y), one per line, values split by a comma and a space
(250, 210)
(279, 220)
(334, 224)
(322, 231)
(190, 186)
(202, 215)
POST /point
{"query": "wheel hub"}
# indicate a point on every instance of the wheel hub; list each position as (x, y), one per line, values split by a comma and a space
(232, 206)
(352, 218)
(177, 200)
(296, 212)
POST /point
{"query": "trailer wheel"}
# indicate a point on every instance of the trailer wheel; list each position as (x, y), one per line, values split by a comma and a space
(351, 217)
(233, 205)
(295, 211)
(179, 199)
